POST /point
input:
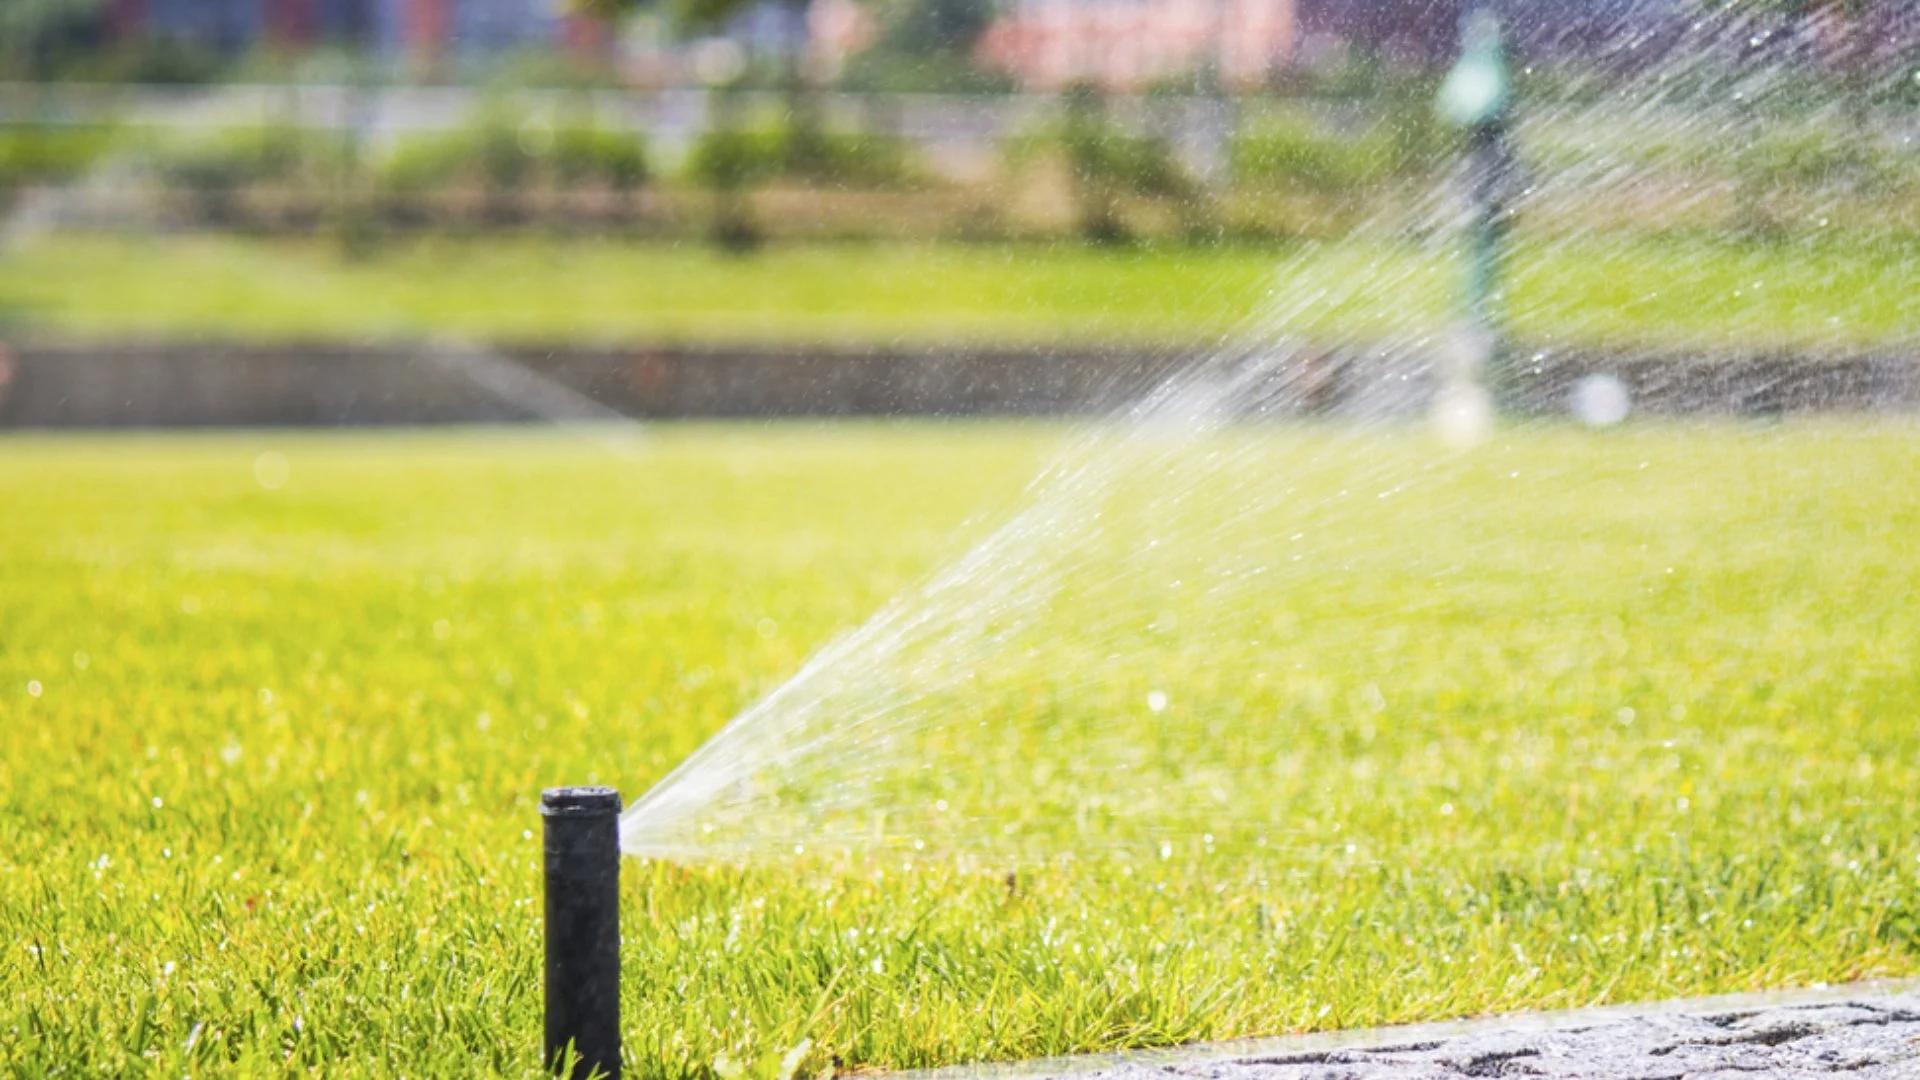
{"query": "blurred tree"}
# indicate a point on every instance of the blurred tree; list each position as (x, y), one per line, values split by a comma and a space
(689, 14)
(939, 26)
(725, 161)
(32, 31)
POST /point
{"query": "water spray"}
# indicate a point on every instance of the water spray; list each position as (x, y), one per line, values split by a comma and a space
(582, 841)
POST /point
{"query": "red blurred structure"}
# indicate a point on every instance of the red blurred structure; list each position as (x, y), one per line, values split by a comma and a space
(1047, 44)
(428, 25)
(292, 23)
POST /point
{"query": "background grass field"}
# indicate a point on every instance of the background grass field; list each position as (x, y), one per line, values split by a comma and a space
(1631, 289)
(269, 756)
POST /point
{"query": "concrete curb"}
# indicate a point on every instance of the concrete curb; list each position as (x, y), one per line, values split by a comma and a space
(55, 385)
(1866, 1031)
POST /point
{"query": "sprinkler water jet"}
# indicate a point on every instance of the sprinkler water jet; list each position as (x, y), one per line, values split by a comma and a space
(581, 827)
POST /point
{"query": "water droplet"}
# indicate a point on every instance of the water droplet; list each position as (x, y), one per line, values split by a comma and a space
(271, 470)
(1157, 701)
(1601, 401)
(33, 687)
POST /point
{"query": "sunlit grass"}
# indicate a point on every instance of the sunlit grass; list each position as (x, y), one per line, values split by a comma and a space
(1606, 718)
(1685, 292)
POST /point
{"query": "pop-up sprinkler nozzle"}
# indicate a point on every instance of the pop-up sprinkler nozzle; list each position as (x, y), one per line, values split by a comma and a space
(582, 840)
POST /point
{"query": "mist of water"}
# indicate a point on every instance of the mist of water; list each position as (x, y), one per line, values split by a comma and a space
(1126, 659)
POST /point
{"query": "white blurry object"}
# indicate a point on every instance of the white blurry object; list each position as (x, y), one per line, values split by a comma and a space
(1601, 400)
(271, 470)
(718, 61)
(1463, 413)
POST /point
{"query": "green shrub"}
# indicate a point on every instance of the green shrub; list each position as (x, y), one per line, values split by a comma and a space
(239, 157)
(735, 158)
(147, 60)
(727, 160)
(850, 159)
(502, 158)
(1107, 159)
(1139, 165)
(427, 162)
(584, 154)
(501, 152)
(1287, 152)
(1292, 155)
(1808, 160)
(1108, 165)
(38, 154)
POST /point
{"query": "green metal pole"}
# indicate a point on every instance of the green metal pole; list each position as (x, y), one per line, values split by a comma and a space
(1478, 96)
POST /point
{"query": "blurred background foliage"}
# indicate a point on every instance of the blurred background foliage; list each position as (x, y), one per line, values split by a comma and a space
(1104, 169)
(786, 146)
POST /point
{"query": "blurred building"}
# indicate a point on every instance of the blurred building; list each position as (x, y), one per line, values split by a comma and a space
(1043, 44)
(454, 26)
(1130, 44)
(1427, 31)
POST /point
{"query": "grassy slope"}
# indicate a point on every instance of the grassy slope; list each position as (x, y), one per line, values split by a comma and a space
(1671, 292)
(273, 800)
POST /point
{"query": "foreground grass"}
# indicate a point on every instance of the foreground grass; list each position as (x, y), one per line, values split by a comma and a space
(1675, 292)
(1638, 724)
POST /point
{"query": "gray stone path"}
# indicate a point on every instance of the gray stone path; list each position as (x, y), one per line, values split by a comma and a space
(1866, 1040)
(1858, 1033)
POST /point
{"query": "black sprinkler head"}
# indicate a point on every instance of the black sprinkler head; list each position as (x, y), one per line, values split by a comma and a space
(581, 827)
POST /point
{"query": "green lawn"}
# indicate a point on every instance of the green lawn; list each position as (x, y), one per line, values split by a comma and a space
(1568, 718)
(1675, 292)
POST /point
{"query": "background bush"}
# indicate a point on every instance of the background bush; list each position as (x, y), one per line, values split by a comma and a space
(1816, 160)
(742, 157)
(238, 157)
(1140, 165)
(40, 154)
(1294, 154)
(504, 152)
